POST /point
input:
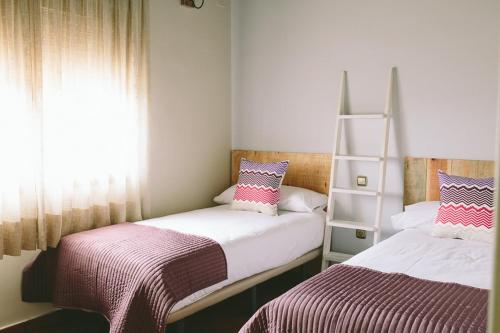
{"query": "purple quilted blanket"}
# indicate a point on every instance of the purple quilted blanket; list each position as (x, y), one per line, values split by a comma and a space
(131, 274)
(346, 299)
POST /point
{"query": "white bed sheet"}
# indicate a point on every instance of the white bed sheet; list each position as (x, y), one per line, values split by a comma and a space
(252, 242)
(416, 253)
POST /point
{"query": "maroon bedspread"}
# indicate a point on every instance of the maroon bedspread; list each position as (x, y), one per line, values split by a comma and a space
(353, 299)
(131, 274)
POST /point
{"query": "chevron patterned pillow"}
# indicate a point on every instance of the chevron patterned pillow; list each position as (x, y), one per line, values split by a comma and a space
(466, 209)
(258, 187)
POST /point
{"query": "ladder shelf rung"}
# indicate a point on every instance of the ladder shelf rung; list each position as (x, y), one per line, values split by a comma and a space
(351, 225)
(352, 191)
(337, 256)
(359, 158)
(363, 116)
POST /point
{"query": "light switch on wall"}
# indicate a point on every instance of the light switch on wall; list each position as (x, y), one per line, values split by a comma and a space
(361, 234)
(362, 181)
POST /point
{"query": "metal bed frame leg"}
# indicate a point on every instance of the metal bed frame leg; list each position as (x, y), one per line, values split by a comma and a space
(253, 299)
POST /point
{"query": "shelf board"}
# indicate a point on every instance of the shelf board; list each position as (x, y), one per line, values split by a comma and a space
(352, 191)
(363, 116)
(359, 158)
(351, 225)
(337, 256)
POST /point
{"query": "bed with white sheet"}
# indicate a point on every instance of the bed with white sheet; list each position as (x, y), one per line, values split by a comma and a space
(417, 280)
(416, 253)
(258, 247)
(252, 242)
(185, 262)
(410, 282)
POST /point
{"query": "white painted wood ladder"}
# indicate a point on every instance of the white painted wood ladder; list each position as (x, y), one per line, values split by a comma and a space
(331, 222)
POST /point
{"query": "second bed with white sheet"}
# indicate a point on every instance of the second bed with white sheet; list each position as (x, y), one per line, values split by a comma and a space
(416, 253)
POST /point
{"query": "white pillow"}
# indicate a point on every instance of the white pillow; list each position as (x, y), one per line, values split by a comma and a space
(298, 199)
(226, 197)
(417, 216)
(295, 199)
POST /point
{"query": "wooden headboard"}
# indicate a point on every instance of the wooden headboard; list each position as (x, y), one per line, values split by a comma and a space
(421, 181)
(307, 170)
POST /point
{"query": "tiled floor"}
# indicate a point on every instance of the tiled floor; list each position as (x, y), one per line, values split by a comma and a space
(225, 317)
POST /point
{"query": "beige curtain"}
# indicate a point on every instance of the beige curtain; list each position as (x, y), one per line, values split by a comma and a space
(72, 114)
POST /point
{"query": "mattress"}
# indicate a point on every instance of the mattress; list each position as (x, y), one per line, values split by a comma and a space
(415, 253)
(252, 242)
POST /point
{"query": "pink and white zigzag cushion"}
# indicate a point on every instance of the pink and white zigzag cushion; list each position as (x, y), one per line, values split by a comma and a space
(258, 187)
(466, 208)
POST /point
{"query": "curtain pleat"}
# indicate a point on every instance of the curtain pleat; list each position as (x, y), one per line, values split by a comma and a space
(73, 94)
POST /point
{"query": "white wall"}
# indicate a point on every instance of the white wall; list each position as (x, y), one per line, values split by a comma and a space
(287, 56)
(189, 124)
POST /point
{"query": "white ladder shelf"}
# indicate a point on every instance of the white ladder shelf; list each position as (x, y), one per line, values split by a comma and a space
(331, 222)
